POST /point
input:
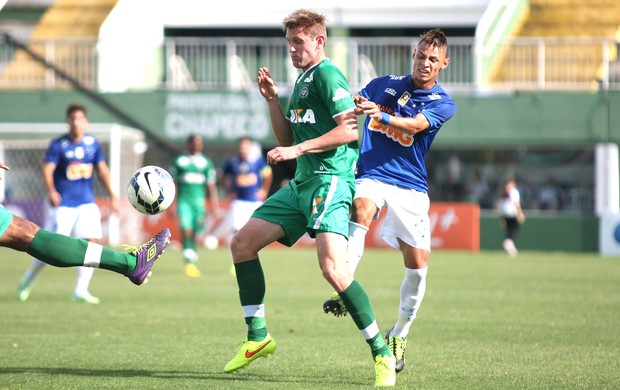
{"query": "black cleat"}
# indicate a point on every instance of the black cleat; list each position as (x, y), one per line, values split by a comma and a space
(335, 306)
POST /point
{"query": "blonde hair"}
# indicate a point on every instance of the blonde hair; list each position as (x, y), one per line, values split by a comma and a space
(310, 22)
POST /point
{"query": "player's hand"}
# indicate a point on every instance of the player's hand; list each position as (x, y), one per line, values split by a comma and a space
(371, 109)
(261, 194)
(266, 86)
(114, 204)
(55, 198)
(4, 166)
(283, 153)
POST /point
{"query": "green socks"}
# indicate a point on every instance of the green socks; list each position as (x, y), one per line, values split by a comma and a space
(358, 305)
(63, 251)
(251, 281)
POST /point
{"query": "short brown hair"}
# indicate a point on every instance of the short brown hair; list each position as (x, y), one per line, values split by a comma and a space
(75, 107)
(311, 22)
(435, 38)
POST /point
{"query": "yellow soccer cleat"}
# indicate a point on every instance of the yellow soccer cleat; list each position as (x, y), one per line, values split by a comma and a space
(385, 371)
(191, 271)
(397, 345)
(249, 351)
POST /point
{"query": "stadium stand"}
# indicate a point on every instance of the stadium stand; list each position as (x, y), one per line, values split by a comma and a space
(568, 26)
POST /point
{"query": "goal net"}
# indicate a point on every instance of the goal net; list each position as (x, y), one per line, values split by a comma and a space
(22, 191)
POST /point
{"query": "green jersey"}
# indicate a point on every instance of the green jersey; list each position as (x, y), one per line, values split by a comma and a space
(192, 173)
(320, 94)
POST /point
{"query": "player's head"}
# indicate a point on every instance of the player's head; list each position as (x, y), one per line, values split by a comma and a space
(77, 120)
(429, 58)
(194, 144)
(306, 34)
(245, 147)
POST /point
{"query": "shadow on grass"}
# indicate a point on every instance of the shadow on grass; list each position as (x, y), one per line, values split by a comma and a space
(203, 375)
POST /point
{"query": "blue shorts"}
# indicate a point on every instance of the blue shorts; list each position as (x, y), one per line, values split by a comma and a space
(5, 219)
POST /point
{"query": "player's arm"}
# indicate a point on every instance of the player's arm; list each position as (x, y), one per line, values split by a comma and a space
(407, 125)
(214, 199)
(267, 177)
(281, 126)
(48, 180)
(344, 133)
(104, 175)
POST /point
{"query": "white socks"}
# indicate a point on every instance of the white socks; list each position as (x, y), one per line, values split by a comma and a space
(84, 275)
(412, 292)
(355, 247)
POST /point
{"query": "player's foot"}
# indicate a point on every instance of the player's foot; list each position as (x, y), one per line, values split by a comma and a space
(510, 248)
(335, 306)
(146, 255)
(385, 374)
(86, 297)
(249, 351)
(24, 288)
(191, 271)
(397, 345)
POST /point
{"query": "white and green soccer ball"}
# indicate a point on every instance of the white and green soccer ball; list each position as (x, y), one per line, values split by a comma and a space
(151, 190)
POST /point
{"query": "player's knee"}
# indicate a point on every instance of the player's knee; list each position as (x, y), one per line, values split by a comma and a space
(241, 247)
(363, 214)
(338, 277)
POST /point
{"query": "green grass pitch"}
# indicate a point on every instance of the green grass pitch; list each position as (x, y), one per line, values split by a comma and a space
(540, 321)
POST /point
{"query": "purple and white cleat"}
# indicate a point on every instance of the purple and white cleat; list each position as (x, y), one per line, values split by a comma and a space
(146, 254)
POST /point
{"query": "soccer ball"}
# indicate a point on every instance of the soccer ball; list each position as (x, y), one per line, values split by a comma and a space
(151, 190)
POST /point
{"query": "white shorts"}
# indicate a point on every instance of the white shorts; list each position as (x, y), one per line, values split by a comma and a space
(240, 212)
(83, 221)
(407, 212)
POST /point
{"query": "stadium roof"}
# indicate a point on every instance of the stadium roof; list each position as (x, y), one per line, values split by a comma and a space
(360, 13)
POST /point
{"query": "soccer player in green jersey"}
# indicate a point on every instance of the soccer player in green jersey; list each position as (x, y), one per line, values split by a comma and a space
(319, 130)
(194, 173)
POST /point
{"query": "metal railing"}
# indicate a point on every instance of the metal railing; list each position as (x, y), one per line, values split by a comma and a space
(232, 63)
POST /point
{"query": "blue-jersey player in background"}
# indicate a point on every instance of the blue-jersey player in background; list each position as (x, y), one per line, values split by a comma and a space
(404, 114)
(68, 168)
(247, 179)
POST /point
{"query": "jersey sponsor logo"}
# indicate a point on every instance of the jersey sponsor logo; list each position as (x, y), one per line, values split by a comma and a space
(401, 137)
(341, 93)
(390, 91)
(404, 98)
(392, 77)
(298, 116)
(78, 170)
(193, 178)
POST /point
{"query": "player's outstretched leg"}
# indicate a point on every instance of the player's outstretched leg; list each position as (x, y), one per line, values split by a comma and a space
(335, 306)
(397, 345)
(146, 254)
(249, 351)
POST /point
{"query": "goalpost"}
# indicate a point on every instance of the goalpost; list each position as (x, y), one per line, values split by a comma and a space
(22, 148)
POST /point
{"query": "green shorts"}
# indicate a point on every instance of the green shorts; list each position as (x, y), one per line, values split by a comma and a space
(191, 215)
(5, 219)
(320, 204)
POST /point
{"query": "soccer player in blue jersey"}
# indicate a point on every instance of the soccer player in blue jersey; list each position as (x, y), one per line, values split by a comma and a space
(70, 163)
(404, 114)
(247, 178)
(60, 250)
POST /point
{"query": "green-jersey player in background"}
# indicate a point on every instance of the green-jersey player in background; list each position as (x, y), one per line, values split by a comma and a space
(194, 174)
